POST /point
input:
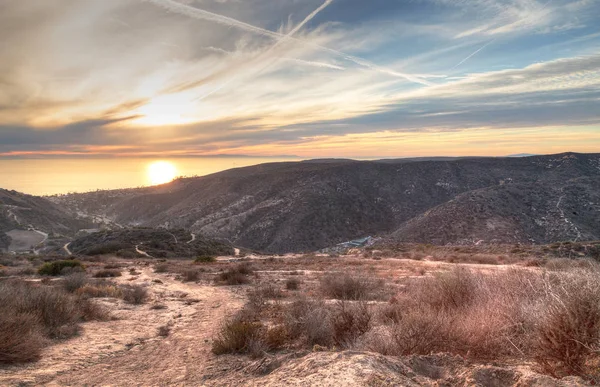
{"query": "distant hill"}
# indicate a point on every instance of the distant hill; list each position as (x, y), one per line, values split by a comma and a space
(305, 206)
(19, 211)
(539, 212)
(156, 243)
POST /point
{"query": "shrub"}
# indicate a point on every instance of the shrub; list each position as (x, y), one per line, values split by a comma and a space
(292, 284)
(349, 322)
(30, 313)
(348, 287)
(163, 331)
(448, 290)
(21, 339)
(237, 275)
(236, 336)
(100, 290)
(267, 292)
(108, 273)
(74, 281)
(190, 275)
(310, 321)
(569, 331)
(161, 268)
(205, 259)
(135, 295)
(56, 268)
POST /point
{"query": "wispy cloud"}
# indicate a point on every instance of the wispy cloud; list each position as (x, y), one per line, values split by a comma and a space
(260, 76)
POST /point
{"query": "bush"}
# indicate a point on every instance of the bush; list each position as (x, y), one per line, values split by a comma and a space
(100, 290)
(292, 284)
(205, 259)
(236, 336)
(310, 321)
(349, 322)
(30, 313)
(56, 268)
(163, 331)
(190, 275)
(74, 281)
(21, 339)
(161, 268)
(569, 332)
(135, 295)
(237, 275)
(108, 273)
(348, 287)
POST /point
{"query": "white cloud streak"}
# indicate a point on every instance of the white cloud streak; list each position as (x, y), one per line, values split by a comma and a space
(200, 14)
(473, 54)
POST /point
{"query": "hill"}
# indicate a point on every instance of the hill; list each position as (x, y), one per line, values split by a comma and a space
(540, 212)
(26, 221)
(304, 206)
(149, 242)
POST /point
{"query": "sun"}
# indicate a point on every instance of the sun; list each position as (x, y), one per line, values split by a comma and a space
(161, 172)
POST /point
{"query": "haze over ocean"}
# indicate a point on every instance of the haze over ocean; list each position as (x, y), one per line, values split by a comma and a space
(56, 176)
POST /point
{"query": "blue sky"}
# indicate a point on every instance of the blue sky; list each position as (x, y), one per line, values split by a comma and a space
(335, 78)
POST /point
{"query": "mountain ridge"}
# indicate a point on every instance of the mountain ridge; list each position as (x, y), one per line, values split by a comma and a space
(305, 206)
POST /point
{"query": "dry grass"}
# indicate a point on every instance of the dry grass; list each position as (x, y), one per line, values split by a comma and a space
(30, 315)
(236, 336)
(101, 290)
(351, 287)
(135, 295)
(548, 316)
(75, 281)
(237, 275)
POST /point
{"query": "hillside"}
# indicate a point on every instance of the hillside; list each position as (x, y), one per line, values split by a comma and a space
(24, 219)
(155, 243)
(304, 206)
(541, 212)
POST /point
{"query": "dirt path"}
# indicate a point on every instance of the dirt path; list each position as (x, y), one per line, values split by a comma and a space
(145, 254)
(128, 351)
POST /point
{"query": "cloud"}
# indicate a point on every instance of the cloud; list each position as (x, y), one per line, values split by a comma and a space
(167, 76)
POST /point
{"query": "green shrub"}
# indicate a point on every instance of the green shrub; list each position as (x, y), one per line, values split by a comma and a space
(205, 259)
(55, 268)
(108, 273)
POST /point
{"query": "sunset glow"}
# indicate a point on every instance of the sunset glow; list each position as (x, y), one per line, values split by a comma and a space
(314, 78)
(161, 172)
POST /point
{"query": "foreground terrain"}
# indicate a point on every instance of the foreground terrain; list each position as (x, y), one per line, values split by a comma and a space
(366, 318)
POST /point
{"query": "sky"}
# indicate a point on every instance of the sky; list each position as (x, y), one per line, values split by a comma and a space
(307, 78)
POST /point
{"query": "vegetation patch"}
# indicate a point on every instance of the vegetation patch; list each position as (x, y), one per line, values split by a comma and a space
(32, 315)
(56, 268)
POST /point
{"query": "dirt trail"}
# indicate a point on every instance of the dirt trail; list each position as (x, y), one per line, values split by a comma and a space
(128, 351)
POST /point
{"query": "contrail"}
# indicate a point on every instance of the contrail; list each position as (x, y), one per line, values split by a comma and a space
(201, 14)
(197, 13)
(279, 41)
(307, 19)
(473, 54)
(315, 64)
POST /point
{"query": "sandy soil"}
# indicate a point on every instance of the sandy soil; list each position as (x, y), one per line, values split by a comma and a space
(128, 351)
